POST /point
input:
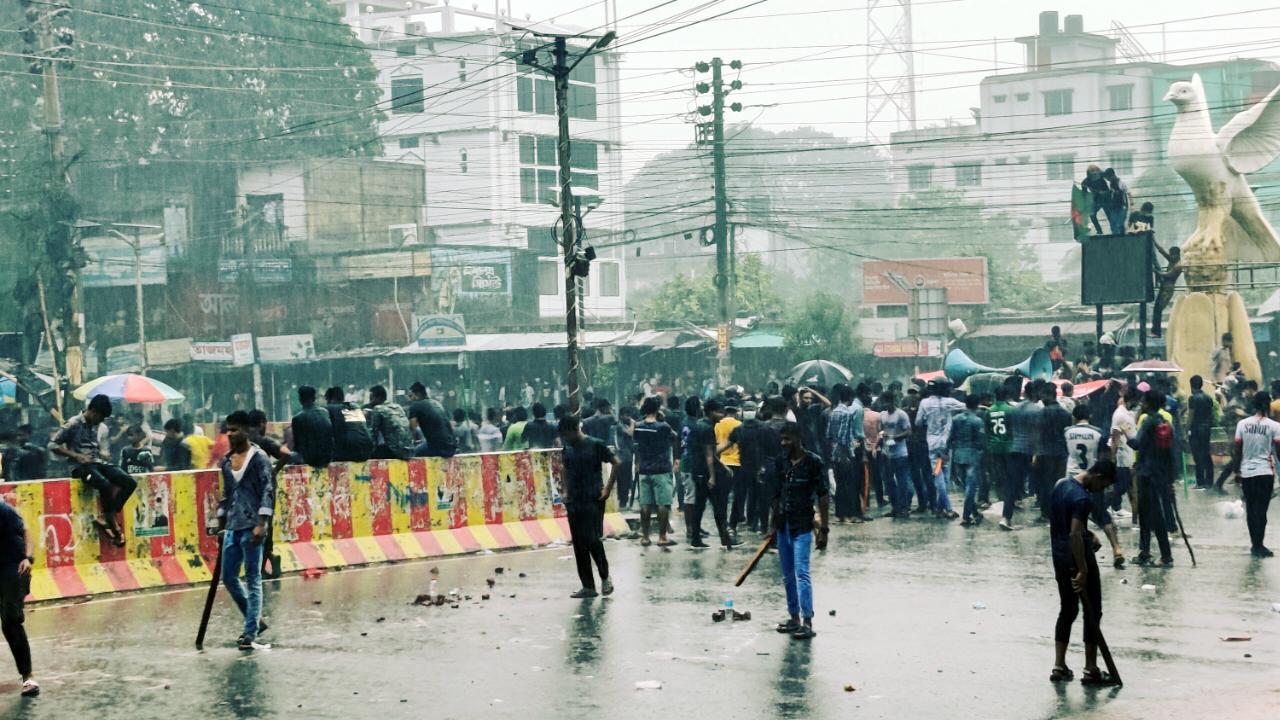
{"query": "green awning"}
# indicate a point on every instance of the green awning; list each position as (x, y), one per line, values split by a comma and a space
(758, 340)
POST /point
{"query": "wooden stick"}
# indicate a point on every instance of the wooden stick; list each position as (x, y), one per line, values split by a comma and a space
(1183, 530)
(752, 565)
(53, 347)
(208, 603)
(1097, 633)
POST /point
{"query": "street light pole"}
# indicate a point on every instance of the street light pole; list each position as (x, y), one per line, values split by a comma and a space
(136, 244)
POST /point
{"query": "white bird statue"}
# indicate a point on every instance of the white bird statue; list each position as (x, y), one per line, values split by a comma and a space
(1231, 226)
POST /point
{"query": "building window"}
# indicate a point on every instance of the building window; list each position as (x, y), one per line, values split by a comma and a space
(999, 98)
(1024, 159)
(407, 49)
(540, 170)
(1022, 97)
(524, 94)
(1121, 162)
(408, 143)
(1060, 167)
(462, 161)
(1057, 102)
(462, 71)
(406, 95)
(1121, 97)
(968, 175)
(582, 102)
(919, 177)
(610, 279)
(544, 97)
(538, 94)
(1061, 230)
(1002, 161)
(548, 277)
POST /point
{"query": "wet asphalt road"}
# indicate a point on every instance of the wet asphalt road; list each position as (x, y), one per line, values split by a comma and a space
(905, 635)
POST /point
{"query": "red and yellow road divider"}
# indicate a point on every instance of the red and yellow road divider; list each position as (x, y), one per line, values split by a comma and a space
(342, 515)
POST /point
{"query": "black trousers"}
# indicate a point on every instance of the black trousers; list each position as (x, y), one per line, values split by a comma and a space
(1198, 439)
(874, 468)
(113, 484)
(718, 496)
(1049, 470)
(1070, 599)
(586, 524)
(1257, 498)
(1151, 517)
(13, 590)
(625, 484)
(741, 483)
(848, 488)
(761, 503)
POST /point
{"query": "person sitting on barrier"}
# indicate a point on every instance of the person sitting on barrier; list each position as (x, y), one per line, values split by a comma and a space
(15, 585)
(77, 441)
(389, 426)
(312, 430)
(351, 439)
(428, 417)
(248, 499)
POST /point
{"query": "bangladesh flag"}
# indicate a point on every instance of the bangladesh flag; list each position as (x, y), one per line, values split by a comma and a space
(1081, 209)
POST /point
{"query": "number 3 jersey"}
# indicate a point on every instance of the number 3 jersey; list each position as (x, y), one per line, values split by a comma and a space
(1082, 447)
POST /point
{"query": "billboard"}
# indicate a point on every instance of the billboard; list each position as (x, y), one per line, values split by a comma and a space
(888, 282)
(110, 266)
(286, 348)
(212, 352)
(441, 330)
(1116, 269)
(260, 270)
(470, 274)
(242, 349)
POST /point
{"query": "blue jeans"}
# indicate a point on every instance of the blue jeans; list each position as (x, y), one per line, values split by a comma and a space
(238, 548)
(793, 555)
(1116, 218)
(970, 475)
(1016, 466)
(897, 482)
(940, 480)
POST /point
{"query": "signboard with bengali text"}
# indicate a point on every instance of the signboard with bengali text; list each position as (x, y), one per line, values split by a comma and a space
(964, 278)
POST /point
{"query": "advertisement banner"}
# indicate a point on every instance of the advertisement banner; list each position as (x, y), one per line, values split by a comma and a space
(111, 266)
(242, 349)
(261, 270)
(212, 352)
(441, 331)
(160, 353)
(471, 275)
(888, 282)
(286, 348)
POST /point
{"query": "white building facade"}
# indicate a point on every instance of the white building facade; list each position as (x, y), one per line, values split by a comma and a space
(484, 130)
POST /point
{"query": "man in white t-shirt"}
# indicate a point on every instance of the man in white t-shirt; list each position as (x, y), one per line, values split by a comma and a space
(1255, 468)
(1124, 427)
(1083, 443)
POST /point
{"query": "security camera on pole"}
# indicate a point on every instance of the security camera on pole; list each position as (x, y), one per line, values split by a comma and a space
(576, 261)
(726, 275)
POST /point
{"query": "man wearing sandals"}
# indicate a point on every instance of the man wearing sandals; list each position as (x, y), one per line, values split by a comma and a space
(77, 441)
(1076, 568)
(584, 492)
(801, 479)
(248, 499)
(15, 584)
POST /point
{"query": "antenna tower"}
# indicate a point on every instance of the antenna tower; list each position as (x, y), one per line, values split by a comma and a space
(891, 75)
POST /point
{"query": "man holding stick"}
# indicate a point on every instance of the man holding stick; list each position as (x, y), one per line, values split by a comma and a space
(1076, 568)
(248, 496)
(801, 479)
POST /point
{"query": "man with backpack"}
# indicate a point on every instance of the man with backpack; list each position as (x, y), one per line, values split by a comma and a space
(1153, 471)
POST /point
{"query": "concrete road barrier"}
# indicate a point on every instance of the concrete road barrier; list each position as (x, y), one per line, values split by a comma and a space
(342, 515)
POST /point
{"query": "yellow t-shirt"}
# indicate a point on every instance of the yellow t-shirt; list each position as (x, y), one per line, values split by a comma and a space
(200, 453)
(723, 428)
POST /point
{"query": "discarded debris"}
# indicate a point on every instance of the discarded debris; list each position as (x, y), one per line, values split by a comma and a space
(1124, 581)
(484, 596)
(832, 613)
(380, 619)
(1275, 607)
(717, 616)
(435, 570)
(1148, 587)
(422, 599)
(521, 574)
(364, 634)
(312, 573)
(741, 615)
(648, 685)
(979, 606)
(316, 602)
(497, 571)
(1236, 639)
(848, 688)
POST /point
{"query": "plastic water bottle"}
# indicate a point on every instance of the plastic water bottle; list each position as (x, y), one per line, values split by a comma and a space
(728, 602)
(431, 591)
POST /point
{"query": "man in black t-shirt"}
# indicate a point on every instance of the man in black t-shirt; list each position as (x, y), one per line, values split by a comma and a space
(602, 426)
(312, 430)
(538, 433)
(702, 453)
(655, 443)
(1076, 568)
(585, 491)
(425, 416)
(1199, 426)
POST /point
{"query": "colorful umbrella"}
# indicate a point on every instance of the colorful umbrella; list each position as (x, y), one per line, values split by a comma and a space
(818, 372)
(129, 388)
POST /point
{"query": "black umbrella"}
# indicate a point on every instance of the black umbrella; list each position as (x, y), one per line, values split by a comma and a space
(818, 372)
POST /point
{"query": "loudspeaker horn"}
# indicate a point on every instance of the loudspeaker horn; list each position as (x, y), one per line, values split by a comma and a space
(958, 366)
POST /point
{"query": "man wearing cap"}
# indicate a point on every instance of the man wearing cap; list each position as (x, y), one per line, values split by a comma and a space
(935, 415)
(77, 441)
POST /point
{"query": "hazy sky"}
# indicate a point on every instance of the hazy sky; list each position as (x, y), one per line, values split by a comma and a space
(809, 58)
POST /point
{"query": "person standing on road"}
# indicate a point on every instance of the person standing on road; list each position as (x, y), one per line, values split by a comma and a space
(248, 496)
(585, 492)
(465, 432)
(15, 585)
(935, 415)
(1083, 443)
(705, 473)
(729, 475)
(1076, 568)
(538, 433)
(77, 441)
(655, 443)
(1200, 414)
(1154, 468)
(802, 480)
(895, 430)
(998, 440)
(1024, 423)
(966, 442)
(845, 435)
(1253, 466)
(489, 435)
(746, 437)
(1051, 464)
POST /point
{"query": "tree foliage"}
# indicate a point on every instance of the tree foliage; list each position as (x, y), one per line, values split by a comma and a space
(681, 297)
(818, 329)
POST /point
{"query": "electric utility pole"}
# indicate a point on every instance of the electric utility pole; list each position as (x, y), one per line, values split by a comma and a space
(576, 262)
(726, 273)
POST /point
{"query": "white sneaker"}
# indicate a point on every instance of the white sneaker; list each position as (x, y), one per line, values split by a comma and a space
(1122, 514)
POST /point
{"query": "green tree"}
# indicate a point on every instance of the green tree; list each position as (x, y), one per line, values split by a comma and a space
(681, 297)
(818, 330)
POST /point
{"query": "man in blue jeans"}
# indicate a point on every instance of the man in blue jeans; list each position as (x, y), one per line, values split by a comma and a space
(801, 479)
(966, 443)
(248, 500)
(895, 430)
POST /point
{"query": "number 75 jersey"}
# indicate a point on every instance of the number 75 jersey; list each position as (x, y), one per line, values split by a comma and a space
(1082, 447)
